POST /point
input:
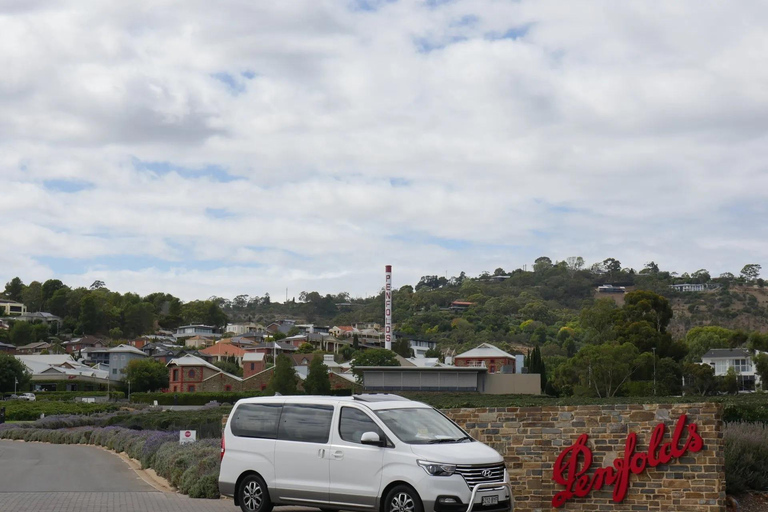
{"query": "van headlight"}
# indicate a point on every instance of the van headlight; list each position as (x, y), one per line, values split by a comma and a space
(437, 469)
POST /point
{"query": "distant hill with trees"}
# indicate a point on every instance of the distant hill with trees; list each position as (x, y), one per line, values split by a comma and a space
(554, 306)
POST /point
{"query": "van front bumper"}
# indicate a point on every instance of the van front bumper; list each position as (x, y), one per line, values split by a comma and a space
(453, 503)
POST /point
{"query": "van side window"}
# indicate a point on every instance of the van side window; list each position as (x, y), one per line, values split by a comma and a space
(256, 420)
(354, 423)
(306, 423)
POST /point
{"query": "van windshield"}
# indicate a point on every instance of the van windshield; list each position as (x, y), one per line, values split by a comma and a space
(422, 426)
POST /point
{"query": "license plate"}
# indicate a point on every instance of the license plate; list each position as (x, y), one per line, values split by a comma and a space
(490, 500)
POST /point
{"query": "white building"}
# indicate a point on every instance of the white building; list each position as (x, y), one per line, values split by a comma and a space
(689, 287)
(722, 359)
(420, 347)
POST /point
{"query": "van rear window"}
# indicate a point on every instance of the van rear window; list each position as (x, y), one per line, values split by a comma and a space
(256, 420)
(306, 423)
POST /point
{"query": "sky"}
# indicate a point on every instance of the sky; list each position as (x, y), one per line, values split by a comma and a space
(237, 147)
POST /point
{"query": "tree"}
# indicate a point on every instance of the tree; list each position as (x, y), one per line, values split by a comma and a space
(642, 305)
(402, 347)
(536, 365)
(90, 314)
(435, 352)
(699, 379)
(602, 369)
(751, 271)
(139, 319)
(599, 321)
(373, 357)
(542, 264)
(12, 370)
(305, 348)
(32, 296)
(317, 382)
(701, 340)
(730, 382)
(355, 342)
(97, 285)
(22, 333)
(50, 287)
(575, 262)
(761, 367)
(229, 366)
(611, 265)
(146, 375)
(14, 289)
(284, 380)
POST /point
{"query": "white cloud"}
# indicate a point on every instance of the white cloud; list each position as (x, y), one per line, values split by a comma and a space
(409, 134)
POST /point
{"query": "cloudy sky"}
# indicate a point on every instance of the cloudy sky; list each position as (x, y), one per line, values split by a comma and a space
(241, 147)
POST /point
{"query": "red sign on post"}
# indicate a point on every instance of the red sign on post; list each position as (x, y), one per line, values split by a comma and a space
(574, 462)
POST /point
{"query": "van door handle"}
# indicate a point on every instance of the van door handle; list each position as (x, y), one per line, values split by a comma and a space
(337, 454)
(321, 453)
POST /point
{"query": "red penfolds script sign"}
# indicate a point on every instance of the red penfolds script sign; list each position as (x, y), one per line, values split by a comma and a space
(575, 461)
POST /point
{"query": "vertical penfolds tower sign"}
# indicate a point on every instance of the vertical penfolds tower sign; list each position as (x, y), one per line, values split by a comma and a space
(572, 466)
(388, 307)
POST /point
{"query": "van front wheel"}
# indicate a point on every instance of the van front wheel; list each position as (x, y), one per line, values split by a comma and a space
(253, 495)
(402, 498)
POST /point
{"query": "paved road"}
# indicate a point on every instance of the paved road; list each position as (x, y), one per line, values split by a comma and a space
(37, 477)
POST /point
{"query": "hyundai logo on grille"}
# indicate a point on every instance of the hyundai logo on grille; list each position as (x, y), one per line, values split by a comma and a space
(487, 473)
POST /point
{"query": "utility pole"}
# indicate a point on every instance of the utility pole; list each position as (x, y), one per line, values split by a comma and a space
(15, 383)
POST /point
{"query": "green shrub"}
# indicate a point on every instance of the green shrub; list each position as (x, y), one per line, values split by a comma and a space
(201, 398)
(746, 457)
(69, 396)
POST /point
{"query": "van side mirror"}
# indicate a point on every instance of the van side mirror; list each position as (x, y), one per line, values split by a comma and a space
(371, 438)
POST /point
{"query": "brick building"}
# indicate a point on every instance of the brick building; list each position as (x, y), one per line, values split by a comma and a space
(487, 356)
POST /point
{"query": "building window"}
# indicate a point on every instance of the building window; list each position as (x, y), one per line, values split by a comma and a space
(253, 366)
(191, 374)
(191, 388)
(227, 388)
(175, 389)
(493, 369)
(175, 375)
(263, 387)
(114, 371)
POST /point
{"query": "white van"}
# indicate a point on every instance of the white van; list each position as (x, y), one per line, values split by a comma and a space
(378, 453)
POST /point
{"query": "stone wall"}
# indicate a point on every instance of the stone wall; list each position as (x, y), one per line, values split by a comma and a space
(532, 438)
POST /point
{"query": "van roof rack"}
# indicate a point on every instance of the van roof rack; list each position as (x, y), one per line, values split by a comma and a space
(378, 397)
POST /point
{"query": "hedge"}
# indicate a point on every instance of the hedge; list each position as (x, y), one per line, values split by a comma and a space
(17, 410)
(192, 468)
(201, 398)
(64, 396)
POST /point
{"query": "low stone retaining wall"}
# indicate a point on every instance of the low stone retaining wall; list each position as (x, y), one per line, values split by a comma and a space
(542, 443)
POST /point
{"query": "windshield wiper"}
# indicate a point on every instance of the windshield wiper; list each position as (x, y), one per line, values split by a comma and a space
(448, 440)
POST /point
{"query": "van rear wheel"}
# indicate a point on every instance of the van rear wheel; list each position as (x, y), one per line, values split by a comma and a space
(402, 498)
(253, 495)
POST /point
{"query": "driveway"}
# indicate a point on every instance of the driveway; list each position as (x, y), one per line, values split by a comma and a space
(38, 477)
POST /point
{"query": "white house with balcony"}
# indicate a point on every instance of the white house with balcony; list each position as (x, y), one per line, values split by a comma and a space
(740, 359)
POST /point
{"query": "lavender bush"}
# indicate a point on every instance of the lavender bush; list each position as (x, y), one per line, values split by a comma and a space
(746, 457)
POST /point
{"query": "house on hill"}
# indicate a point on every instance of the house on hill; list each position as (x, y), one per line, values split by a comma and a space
(223, 350)
(78, 344)
(740, 359)
(488, 356)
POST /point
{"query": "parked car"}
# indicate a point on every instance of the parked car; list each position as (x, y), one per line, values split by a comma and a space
(361, 453)
(12, 397)
(29, 397)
